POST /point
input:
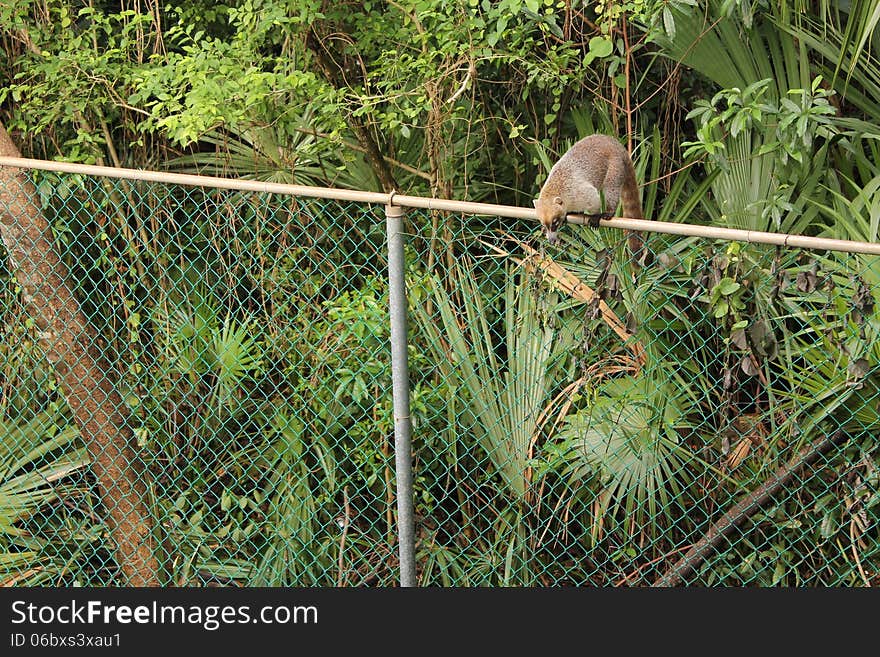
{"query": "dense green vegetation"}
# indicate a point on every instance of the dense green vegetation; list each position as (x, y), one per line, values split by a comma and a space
(249, 332)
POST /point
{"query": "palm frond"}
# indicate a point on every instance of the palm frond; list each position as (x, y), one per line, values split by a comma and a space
(628, 437)
(506, 397)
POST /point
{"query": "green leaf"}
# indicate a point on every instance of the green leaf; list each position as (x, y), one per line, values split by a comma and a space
(668, 23)
(601, 46)
(728, 286)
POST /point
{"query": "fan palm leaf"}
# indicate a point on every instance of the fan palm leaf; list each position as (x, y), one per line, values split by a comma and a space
(506, 397)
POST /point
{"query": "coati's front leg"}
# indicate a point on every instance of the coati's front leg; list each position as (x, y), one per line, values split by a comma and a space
(593, 219)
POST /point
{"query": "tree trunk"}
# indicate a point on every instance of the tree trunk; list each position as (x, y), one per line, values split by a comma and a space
(743, 510)
(87, 383)
(330, 70)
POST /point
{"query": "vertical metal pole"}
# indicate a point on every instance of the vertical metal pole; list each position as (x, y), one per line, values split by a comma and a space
(400, 389)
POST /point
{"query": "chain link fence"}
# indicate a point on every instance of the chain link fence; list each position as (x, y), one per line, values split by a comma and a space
(710, 419)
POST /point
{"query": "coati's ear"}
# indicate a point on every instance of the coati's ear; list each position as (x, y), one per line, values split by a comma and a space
(558, 201)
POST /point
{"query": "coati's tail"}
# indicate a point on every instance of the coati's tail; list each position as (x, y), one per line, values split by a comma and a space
(641, 257)
(632, 209)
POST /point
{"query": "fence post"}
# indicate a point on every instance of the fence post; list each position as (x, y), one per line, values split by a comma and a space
(400, 390)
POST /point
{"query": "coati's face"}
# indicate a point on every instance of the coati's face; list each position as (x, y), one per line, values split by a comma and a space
(551, 214)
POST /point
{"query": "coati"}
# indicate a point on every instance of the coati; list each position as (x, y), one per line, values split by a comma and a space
(591, 177)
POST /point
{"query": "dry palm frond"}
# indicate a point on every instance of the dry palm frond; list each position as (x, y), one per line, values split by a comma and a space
(575, 288)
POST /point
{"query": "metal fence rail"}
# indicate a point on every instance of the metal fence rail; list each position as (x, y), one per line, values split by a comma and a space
(711, 419)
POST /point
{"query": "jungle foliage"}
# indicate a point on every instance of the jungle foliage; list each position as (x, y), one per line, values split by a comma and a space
(249, 333)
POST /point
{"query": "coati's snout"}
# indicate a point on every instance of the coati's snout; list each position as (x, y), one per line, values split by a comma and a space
(551, 214)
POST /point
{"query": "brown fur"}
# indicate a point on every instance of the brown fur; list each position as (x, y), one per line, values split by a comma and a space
(596, 166)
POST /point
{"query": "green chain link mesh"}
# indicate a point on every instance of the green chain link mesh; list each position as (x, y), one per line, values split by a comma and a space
(710, 421)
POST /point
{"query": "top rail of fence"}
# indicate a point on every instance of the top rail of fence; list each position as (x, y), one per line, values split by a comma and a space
(464, 207)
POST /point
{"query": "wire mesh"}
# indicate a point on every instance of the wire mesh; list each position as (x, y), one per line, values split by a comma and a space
(709, 418)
